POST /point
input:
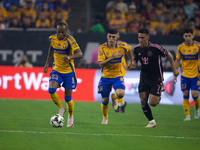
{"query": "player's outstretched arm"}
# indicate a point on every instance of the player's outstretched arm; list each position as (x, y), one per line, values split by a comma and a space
(177, 64)
(131, 63)
(105, 62)
(50, 54)
(175, 70)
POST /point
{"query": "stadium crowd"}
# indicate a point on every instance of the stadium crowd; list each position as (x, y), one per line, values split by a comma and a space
(161, 17)
(33, 13)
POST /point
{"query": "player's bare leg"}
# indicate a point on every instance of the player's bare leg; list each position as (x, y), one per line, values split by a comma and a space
(118, 97)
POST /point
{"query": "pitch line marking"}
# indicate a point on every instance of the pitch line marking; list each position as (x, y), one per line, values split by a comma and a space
(95, 134)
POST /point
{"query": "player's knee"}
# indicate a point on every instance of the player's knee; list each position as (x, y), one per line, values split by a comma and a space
(120, 94)
(52, 90)
(143, 102)
(68, 98)
(195, 97)
(153, 104)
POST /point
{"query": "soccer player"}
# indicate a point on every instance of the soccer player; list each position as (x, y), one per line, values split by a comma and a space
(64, 49)
(189, 53)
(110, 58)
(151, 75)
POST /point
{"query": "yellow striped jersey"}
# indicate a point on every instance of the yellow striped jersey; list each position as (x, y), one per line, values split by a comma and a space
(190, 59)
(65, 47)
(115, 67)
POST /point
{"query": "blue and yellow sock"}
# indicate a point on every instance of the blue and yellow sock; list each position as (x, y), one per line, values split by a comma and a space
(196, 103)
(54, 97)
(186, 105)
(104, 109)
(120, 101)
(70, 105)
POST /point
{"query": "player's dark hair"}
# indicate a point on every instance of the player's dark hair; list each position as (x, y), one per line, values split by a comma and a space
(144, 31)
(112, 31)
(62, 24)
(188, 31)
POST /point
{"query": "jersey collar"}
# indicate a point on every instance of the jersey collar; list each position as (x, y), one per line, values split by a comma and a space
(110, 47)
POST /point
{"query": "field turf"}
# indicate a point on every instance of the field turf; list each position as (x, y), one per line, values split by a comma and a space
(24, 125)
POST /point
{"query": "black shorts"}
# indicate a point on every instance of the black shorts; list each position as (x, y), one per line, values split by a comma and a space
(154, 87)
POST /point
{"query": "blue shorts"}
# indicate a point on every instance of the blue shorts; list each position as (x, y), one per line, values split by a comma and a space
(66, 80)
(105, 85)
(189, 83)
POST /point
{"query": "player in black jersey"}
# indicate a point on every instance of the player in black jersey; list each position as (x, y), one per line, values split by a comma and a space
(151, 75)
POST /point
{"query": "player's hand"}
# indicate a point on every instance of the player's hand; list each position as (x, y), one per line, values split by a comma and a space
(176, 72)
(45, 69)
(130, 65)
(66, 58)
(114, 54)
(174, 80)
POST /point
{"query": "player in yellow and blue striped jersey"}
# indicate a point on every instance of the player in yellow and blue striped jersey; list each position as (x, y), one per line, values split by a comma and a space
(189, 53)
(111, 60)
(64, 49)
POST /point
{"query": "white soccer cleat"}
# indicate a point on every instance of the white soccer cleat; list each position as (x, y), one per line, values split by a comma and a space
(196, 114)
(114, 103)
(152, 124)
(70, 122)
(104, 121)
(187, 118)
(62, 111)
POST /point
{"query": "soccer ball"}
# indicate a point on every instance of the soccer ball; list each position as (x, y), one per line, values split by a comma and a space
(57, 121)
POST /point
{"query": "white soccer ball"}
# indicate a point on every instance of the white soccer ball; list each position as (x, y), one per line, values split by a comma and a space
(57, 121)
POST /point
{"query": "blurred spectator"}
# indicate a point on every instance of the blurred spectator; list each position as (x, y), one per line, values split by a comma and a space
(59, 15)
(151, 30)
(167, 22)
(181, 12)
(13, 12)
(134, 26)
(197, 21)
(96, 26)
(175, 25)
(39, 5)
(28, 11)
(189, 7)
(14, 23)
(119, 23)
(3, 16)
(42, 22)
(196, 12)
(154, 21)
(22, 3)
(176, 4)
(149, 11)
(159, 8)
(7, 3)
(120, 5)
(142, 6)
(24, 62)
(161, 30)
(63, 3)
(46, 10)
(132, 10)
(110, 13)
(27, 23)
(191, 25)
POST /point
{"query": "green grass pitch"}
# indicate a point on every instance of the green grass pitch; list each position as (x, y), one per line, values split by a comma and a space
(24, 125)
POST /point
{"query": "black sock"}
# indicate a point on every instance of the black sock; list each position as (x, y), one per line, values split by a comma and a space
(147, 111)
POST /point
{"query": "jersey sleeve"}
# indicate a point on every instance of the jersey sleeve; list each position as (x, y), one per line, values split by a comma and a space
(163, 52)
(178, 55)
(50, 41)
(73, 43)
(101, 55)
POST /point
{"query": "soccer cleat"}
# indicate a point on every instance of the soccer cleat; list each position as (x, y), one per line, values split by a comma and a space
(104, 121)
(187, 118)
(118, 109)
(70, 122)
(122, 108)
(152, 124)
(196, 114)
(62, 111)
(114, 103)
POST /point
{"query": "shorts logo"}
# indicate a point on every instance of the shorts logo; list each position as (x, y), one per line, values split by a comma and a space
(54, 76)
